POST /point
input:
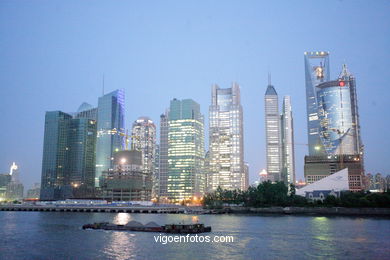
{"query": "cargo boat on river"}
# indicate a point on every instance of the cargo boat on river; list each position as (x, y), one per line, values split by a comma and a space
(152, 227)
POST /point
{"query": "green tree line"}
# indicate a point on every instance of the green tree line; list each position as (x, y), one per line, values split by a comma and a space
(268, 194)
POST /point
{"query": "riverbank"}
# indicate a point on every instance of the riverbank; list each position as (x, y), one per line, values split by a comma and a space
(174, 209)
(336, 211)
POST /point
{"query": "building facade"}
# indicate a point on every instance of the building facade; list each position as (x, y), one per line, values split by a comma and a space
(68, 163)
(273, 135)
(163, 158)
(186, 177)
(287, 140)
(338, 130)
(144, 140)
(81, 165)
(226, 140)
(110, 131)
(126, 181)
(316, 72)
(55, 178)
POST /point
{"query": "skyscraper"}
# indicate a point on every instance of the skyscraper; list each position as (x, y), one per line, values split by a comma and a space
(81, 164)
(86, 110)
(338, 144)
(163, 158)
(55, 179)
(144, 140)
(110, 130)
(226, 140)
(68, 164)
(316, 72)
(272, 131)
(186, 176)
(287, 138)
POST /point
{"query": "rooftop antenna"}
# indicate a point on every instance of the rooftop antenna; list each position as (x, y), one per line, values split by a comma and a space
(269, 79)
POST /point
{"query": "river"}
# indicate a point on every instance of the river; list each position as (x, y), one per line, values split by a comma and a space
(58, 235)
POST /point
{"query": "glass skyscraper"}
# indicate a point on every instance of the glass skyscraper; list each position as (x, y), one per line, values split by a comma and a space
(273, 135)
(338, 144)
(186, 176)
(55, 178)
(68, 164)
(316, 72)
(338, 117)
(110, 130)
(81, 145)
(287, 139)
(144, 140)
(226, 140)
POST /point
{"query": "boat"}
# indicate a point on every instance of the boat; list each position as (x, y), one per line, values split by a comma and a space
(151, 227)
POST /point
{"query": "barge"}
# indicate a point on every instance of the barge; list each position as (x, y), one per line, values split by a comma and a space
(152, 227)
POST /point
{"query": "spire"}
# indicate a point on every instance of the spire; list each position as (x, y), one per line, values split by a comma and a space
(269, 79)
(345, 72)
(270, 89)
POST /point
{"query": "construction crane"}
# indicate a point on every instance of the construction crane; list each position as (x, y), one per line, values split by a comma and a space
(126, 136)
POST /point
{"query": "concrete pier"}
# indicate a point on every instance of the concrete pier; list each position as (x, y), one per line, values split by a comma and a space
(108, 209)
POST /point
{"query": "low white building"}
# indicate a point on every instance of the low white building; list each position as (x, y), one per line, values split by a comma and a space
(336, 182)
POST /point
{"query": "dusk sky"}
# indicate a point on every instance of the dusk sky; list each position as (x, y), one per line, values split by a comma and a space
(53, 55)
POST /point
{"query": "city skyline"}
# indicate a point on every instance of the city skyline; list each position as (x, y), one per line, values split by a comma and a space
(73, 71)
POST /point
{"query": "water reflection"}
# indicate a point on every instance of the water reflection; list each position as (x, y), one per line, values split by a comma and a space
(120, 245)
(323, 243)
(122, 218)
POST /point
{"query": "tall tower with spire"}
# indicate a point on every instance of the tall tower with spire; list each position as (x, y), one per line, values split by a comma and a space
(272, 132)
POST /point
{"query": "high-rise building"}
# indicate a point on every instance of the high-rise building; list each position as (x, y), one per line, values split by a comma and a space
(185, 150)
(68, 164)
(55, 179)
(86, 110)
(144, 140)
(272, 130)
(81, 164)
(334, 131)
(316, 72)
(5, 179)
(163, 158)
(287, 138)
(15, 187)
(110, 130)
(226, 140)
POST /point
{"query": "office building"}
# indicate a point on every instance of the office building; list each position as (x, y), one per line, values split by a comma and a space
(55, 178)
(186, 178)
(287, 140)
(5, 179)
(316, 71)
(226, 140)
(338, 130)
(144, 140)
(68, 163)
(273, 135)
(110, 130)
(81, 165)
